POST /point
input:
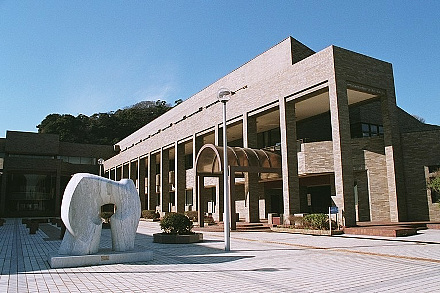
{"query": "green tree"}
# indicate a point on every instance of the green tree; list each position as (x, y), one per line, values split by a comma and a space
(103, 128)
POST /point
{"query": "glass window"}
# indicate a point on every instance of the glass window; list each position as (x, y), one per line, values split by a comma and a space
(374, 130)
(380, 129)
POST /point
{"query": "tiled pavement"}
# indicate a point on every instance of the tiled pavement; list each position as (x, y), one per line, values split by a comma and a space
(258, 262)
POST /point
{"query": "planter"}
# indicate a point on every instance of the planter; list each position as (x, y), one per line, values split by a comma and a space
(176, 238)
(33, 227)
(150, 220)
(307, 231)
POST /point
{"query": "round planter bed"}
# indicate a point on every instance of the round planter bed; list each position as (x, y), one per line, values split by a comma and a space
(177, 238)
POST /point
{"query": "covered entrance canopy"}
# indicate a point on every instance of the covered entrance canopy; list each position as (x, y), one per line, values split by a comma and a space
(209, 163)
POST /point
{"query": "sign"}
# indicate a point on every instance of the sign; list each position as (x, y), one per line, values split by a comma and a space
(334, 210)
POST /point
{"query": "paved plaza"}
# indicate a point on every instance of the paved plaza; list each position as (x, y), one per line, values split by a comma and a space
(257, 262)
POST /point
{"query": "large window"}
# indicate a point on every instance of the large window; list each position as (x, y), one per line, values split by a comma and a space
(365, 130)
(268, 138)
(78, 160)
(30, 192)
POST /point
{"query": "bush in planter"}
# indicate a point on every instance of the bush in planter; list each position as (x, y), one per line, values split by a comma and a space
(316, 221)
(173, 223)
(150, 214)
(296, 221)
(192, 215)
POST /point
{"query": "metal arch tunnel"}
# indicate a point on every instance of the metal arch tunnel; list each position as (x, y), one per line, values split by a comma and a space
(209, 163)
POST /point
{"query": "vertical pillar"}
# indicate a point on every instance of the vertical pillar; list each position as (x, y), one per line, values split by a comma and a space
(253, 189)
(289, 158)
(219, 194)
(141, 181)
(164, 180)
(152, 196)
(218, 134)
(197, 145)
(179, 177)
(201, 198)
(232, 212)
(393, 158)
(342, 158)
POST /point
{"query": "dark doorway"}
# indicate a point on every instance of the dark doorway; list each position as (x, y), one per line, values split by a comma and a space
(320, 198)
(276, 201)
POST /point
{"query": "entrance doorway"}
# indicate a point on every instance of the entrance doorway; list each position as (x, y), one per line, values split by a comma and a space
(320, 198)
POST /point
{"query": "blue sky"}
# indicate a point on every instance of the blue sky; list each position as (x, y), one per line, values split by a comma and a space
(98, 56)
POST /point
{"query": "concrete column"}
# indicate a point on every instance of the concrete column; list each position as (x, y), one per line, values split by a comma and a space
(164, 180)
(179, 177)
(141, 182)
(201, 199)
(232, 212)
(197, 145)
(289, 159)
(394, 158)
(152, 196)
(218, 136)
(342, 157)
(219, 198)
(253, 190)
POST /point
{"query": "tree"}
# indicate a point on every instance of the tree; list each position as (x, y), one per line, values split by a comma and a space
(103, 128)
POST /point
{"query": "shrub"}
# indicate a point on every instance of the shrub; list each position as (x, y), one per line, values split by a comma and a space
(192, 215)
(150, 214)
(173, 223)
(316, 221)
(296, 221)
(435, 184)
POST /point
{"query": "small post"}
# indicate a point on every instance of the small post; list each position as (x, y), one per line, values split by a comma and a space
(330, 219)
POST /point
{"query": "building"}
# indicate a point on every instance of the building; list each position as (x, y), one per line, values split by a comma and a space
(326, 121)
(35, 169)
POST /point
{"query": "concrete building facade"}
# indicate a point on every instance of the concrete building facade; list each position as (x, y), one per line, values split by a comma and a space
(35, 169)
(330, 116)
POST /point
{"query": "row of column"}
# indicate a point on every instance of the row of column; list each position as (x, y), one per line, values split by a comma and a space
(342, 159)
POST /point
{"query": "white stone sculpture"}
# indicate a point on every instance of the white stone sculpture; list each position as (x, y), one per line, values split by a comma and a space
(80, 212)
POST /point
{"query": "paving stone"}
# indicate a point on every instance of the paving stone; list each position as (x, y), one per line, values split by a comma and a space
(258, 262)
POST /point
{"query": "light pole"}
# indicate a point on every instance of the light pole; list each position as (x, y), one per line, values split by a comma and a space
(223, 96)
(100, 163)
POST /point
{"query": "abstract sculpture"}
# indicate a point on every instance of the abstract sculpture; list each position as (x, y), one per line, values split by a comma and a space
(80, 212)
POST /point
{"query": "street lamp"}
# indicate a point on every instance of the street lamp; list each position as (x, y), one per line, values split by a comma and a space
(100, 163)
(223, 96)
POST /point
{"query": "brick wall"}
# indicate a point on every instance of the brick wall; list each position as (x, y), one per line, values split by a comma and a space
(420, 149)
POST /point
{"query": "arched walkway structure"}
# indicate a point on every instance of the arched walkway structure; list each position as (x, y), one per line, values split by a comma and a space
(209, 163)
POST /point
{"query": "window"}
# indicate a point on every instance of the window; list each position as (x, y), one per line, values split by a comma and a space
(365, 130)
(269, 138)
(78, 160)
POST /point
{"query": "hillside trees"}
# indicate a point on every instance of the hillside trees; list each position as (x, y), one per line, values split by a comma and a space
(103, 128)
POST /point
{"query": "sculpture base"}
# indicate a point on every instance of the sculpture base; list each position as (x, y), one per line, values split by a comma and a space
(103, 257)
